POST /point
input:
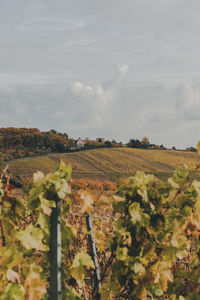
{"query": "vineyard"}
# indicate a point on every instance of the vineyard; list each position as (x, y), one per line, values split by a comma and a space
(145, 233)
(110, 163)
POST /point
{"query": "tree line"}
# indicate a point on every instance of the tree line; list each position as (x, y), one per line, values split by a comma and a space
(26, 142)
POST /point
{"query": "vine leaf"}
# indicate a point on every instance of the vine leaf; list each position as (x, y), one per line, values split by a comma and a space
(80, 261)
(13, 291)
(87, 201)
(31, 238)
(12, 276)
(35, 286)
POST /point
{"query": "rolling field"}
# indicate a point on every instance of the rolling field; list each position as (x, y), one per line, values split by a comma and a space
(108, 163)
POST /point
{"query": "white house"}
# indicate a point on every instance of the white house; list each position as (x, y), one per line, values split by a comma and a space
(80, 143)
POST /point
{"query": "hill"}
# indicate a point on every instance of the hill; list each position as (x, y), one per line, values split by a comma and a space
(108, 163)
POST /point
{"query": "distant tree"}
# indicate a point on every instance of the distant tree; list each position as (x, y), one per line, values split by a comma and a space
(100, 140)
(72, 143)
(29, 141)
(59, 147)
(134, 143)
(53, 131)
(108, 143)
(145, 142)
(66, 135)
(113, 142)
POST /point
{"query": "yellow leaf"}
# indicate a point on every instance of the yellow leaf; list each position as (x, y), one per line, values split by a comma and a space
(80, 261)
(38, 177)
(87, 201)
(31, 238)
(35, 285)
(173, 183)
(198, 147)
(12, 276)
(143, 294)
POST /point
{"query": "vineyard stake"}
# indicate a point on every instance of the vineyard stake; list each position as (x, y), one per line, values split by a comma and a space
(55, 253)
(97, 278)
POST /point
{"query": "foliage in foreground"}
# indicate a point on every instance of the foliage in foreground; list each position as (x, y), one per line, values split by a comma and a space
(156, 241)
(154, 253)
(25, 235)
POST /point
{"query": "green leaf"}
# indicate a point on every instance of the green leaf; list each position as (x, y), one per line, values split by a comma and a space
(78, 273)
(31, 238)
(34, 201)
(106, 291)
(46, 205)
(180, 175)
(67, 234)
(119, 206)
(135, 212)
(157, 290)
(122, 253)
(64, 170)
(13, 291)
(38, 178)
(139, 269)
(120, 224)
(70, 293)
(62, 188)
(10, 258)
(84, 259)
(43, 222)
(173, 183)
(80, 261)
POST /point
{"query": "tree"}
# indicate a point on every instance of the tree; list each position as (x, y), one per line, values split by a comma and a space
(134, 143)
(145, 142)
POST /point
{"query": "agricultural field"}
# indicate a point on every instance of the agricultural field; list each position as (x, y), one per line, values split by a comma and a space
(111, 164)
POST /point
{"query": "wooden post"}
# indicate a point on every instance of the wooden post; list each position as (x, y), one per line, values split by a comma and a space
(55, 253)
(97, 278)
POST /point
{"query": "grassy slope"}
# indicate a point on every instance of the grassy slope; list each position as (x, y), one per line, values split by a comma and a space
(108, 163)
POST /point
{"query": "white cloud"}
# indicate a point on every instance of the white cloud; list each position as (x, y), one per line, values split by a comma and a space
(93, 102)
(46, 45)
(188, 101)
(51, 24)
(124, 69)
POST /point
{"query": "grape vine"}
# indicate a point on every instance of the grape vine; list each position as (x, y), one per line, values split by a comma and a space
(156, 243)
(148, 249)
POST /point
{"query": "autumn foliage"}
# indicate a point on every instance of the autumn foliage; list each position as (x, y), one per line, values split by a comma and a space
(147, 237)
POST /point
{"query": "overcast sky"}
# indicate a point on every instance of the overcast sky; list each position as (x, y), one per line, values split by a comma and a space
(102, 68)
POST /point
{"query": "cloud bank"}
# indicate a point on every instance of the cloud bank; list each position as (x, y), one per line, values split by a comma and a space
(127, 71)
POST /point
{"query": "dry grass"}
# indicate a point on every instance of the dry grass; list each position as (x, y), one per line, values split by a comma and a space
(108, 163)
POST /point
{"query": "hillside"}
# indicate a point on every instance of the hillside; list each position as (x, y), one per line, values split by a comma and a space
(108, 163)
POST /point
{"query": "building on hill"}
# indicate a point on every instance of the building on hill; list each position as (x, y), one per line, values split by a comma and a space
(80, 143)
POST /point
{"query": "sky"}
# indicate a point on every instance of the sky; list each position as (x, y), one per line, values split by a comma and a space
(117, 69)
